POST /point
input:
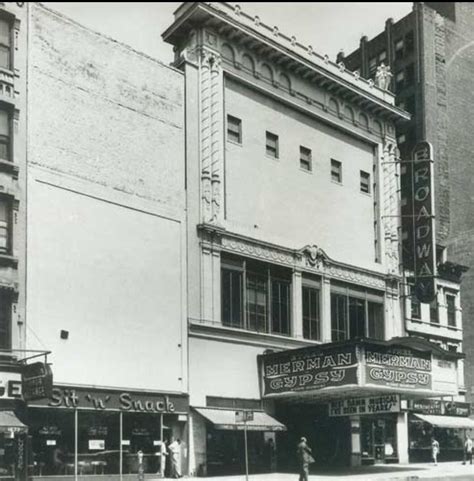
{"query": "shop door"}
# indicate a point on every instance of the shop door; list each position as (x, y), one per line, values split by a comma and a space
(378, 430)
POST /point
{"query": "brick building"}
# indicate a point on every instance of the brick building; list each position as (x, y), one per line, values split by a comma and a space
(431, 55)
(92, 247)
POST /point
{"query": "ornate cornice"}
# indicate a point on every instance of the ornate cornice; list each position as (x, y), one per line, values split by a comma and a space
(227, 17)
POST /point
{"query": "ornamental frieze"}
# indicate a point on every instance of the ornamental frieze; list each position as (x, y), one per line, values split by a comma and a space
(251, 249)
(310, 258)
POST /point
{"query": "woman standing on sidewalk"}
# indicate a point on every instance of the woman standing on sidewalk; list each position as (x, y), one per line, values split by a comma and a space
(434, 450)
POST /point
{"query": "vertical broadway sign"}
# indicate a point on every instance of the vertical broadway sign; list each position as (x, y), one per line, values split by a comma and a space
(424, 242)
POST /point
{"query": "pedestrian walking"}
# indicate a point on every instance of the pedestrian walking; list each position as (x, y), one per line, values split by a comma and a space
(434, 450)
(468, 450)
(305, 458)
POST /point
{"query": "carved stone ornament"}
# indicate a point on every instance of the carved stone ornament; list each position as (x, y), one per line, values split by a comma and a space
(383, 77)
(314, 256)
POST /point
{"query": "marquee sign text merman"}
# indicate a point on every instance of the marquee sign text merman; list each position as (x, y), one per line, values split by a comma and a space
(399, 368)
(308, 369)
(423, 223)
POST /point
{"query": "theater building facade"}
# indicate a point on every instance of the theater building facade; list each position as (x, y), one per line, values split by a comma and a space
(293, 253)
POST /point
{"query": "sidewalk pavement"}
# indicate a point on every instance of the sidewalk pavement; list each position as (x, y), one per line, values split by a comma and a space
(391, 472)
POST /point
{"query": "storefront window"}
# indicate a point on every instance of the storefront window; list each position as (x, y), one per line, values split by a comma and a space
(379, 438)
(52, 434)
(98, 443)
(226, 453)
(7, 454)
(141, 432)
(53, 442)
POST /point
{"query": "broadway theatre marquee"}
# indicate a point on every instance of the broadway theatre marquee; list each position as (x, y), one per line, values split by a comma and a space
(410, 366)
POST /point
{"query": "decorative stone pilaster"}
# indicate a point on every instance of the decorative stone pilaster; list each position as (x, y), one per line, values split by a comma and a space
(212, 154)
(390, 208)
(211, 277)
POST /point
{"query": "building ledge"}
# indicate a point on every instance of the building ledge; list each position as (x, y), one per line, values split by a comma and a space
(9, 168)
(8, 261)
(200, 328)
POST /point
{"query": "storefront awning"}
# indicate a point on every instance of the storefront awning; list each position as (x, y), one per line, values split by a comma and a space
(225, 419)
(447, 421)
(9, 421)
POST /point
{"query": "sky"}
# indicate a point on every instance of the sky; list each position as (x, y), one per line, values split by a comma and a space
(328, 26)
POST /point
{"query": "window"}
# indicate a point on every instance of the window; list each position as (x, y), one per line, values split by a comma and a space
(5, 222)
(311, 313)
(338, 317)
(256, 293)
(305, 159)
(400, 80)
(336, 171)
(4, 135)
(415, 304)
(399, 46)
(5, 45)
(356, 313)
(255, 296)
(410, 74)
(373, 65)
(234, 129)
(5, 321)
(452, 348)
(410, 104)
(375, 320)
(271, 145)
(409, 42)
(280, 306)
(364, 182)
(434, 318)
(382, 56)
(451, 309)
(231, 279)
(401, 139)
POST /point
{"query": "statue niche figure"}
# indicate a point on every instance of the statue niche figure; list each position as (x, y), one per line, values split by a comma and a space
(383, 77)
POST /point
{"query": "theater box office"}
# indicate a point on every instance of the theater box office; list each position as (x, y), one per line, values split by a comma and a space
(81, 431)
(351, 398)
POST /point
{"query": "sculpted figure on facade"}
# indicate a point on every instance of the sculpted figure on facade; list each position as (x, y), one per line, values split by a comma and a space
(383, 77)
